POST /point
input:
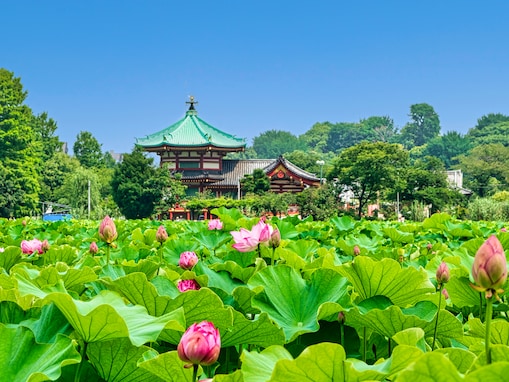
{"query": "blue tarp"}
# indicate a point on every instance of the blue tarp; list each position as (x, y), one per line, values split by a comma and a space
(56, 217)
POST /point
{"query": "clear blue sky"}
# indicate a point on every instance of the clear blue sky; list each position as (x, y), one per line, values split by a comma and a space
(124, 69)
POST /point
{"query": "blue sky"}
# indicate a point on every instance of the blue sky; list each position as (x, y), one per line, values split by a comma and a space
(124, 69)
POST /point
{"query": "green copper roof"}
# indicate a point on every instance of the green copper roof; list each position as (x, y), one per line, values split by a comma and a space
(191, 131)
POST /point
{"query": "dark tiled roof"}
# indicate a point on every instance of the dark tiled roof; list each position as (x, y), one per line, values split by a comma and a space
(293, 168)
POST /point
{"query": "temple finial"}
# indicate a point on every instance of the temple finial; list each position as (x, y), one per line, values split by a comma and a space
(191, 103)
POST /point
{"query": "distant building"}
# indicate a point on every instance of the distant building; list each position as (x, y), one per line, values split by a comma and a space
(196, 149)
(455, 180)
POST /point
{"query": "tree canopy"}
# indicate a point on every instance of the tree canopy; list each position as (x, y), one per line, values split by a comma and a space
(424, 125)
(273, 143)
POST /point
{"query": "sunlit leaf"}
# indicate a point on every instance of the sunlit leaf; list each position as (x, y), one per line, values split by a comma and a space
(431, 367)
(168, 367)
(258, 367)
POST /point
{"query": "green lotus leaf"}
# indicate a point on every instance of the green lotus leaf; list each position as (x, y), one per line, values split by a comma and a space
(217, 280)
(292, 302)
(499, 332)
(403, 356)
(258, 367)
(212, 240)
(229, 217)
(495, 372)
(167, 367)
(305, 248)
(243, 298)
(237, 376)
(436, 221)
(431, 366)
(261, 332)
(292, 259)
(234, 269)
(9, 293)
(343, 224)
(23, 359)
(461, 293)
(9, 257)
(458, 230)
(398, 236)
(286, 229)
(62, 253)
(461, 358)
(146, 266)
(393, 319)
(403, 286)
(117, 361)
(323, 362)
(411, 337)
(48, 325)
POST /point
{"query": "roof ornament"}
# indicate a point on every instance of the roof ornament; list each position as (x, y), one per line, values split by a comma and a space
(191, 103)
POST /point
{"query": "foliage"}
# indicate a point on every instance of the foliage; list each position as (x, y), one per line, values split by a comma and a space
(320, 203)
(345, 134)
(88, 150)
(273, 143)
(382, 128)
(313, 309)
(488, 209)
(20, 150)
(256, 183)
(483, 165)
(316, 137)
(369, 168)
(493, 133)
(424, 126)
(448, 147)
(307, 160)
(137, 186)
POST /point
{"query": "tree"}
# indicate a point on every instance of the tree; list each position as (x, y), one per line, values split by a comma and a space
(485, 168)
(321, 203)
(20, 150)
(88, 150)
(316, 137)
(368, 168)
(448, 147)
(381, 128)
(347, 134)
(138, 186)
(490, 119)
(306, 160)
(75, 191)
(45, 129)
(53, 175)
(257, 183)
(493, 133)
(273, 143)
(425, 125)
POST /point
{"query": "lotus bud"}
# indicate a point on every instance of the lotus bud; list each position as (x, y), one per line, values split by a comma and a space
(45, 246)
(93, 248)
(443, 273)
(107, 230)
(445, 293)
(341, 317)
(356, 250)
(489, 270)
(200, 344)
(185, 285)
(161, 235)
(503, 229)
(275, 238)
(24, 223)
(215, 224)
(188, 260)
(429, 246)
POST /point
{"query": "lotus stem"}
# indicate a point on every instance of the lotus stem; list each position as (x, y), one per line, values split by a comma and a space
(364, 340)
(273, 256)
(83, 352)
(195, 372)
(436, 320)
(489, 313)
(342, 334)
(480, 306)
(108, 254)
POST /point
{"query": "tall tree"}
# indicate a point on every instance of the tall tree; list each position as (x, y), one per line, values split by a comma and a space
(347, 134)
(484, 167)
(138, 186)
(493, 133)
(273, 143)
(424, 126)
(490, 119)
(45, 129)
(381, 128)
(448, 147)
(20, 150)
(368, 168)
(88, 150)
(316, 137)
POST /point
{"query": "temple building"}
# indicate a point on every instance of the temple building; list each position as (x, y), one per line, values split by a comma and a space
(196, 149)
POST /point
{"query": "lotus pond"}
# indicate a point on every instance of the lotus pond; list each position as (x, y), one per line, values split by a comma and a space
(340, 300)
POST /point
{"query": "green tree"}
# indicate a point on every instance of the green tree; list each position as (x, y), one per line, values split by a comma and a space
(20, 150)
(424, 126)
(494, 133)
(256, 183)
(321, 203)
(138, 186)
(368, 168)
(88, 150)
(448, 147)
(45, 129)
(486, 168)
(316, 137)
(381, 129)
(55, 171)
(490, 119)
(347, 134)
(306, 160)
(273, 143)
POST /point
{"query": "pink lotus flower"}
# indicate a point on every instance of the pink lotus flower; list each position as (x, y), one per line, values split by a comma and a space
(161, 235)
(443, 273)
(489, 270)
(356, 250)
(188, 260)
(107, 230)
(93, 248)
(185, 285)
(200, 344)
(275, 238)
(2, 249)
(30, 246)
(215, 224)
(247, 241)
